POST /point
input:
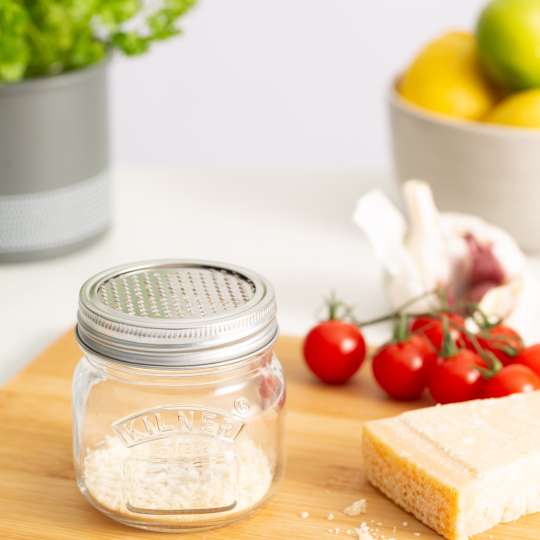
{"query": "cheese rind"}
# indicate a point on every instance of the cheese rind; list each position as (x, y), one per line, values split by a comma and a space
(459, 468)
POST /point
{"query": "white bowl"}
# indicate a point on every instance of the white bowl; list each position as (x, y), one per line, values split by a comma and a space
(482, 169)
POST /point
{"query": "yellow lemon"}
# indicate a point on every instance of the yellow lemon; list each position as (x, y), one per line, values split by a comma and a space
(520, 110)
(446, 78)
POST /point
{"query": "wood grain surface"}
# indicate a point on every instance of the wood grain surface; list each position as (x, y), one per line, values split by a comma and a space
(39, 498)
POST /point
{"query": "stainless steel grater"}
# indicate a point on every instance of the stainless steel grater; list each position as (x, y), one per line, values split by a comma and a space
(176, 313)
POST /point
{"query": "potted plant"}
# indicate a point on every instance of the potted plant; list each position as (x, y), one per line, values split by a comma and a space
(54, 151)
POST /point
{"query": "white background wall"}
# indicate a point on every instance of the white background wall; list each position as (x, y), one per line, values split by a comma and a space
(284, 83)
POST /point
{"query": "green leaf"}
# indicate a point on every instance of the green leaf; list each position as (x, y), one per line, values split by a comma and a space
(14, 50)
(180, 7)
(14, 57)
(86, 50)
(130, 43)
(46, 37)
(82, 11)
(162, 25)
(115, 12)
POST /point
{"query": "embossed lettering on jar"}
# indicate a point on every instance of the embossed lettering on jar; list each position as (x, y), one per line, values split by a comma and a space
(178, 400)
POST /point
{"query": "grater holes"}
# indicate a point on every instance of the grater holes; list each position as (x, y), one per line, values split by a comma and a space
(149, 294)
(240, 293)
(195, 293)
(106, 297)
(208, 294)
(231, 284)
(177, 292)
(115, 295)
(165, 304)
(247, 290)
(137, 294)
(219, 291)
(184, 294)
(172, 285)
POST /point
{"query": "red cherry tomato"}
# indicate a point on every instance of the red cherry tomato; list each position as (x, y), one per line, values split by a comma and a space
(402, 368)
(433, 328)
(511, 379)
(530, 357)
(456, 378)
(504, 342)
(427, 350)
(334, 351)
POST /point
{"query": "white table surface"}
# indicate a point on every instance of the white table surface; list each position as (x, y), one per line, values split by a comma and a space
(292, 226)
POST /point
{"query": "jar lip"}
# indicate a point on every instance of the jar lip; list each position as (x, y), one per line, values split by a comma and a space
(170, 368)
(176, 313)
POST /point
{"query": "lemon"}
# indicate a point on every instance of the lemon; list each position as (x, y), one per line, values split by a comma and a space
(508, 36)
(520, 110)
(446, 78)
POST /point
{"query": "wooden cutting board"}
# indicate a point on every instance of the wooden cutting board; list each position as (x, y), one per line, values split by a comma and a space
(39, 498)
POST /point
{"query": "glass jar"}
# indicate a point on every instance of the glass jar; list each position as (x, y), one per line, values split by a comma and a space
(178, 400)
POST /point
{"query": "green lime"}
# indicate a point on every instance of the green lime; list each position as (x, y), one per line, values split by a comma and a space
(508, 37)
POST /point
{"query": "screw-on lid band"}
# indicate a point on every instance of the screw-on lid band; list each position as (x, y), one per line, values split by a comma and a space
(176, 313)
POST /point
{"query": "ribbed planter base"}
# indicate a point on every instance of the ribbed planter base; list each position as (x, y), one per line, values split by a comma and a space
(50, 253)
(54, 164)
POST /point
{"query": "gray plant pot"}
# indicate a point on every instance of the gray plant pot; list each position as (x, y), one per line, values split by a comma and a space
(54, 164)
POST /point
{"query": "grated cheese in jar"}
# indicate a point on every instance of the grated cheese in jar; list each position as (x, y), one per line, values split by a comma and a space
(180, 478)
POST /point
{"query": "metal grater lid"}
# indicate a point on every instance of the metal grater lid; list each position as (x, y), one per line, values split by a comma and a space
(176, 313)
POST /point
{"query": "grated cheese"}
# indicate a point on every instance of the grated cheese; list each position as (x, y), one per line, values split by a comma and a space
(356, 508)
(363, 532)
(180, 473)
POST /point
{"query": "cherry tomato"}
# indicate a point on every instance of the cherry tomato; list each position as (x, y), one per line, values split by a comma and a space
(433, 328)
(511, 379)
(334, 351)
(427, 350)
(504, 342)
(530, 357)
(402, 368)
(456, 378)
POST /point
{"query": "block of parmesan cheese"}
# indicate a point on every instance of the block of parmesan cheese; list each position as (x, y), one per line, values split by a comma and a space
(459, 468)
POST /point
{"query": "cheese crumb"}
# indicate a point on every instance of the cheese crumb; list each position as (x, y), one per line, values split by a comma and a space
(304, 515)
(405, 524)
(363, 532)
(330, 516)
(356, 508)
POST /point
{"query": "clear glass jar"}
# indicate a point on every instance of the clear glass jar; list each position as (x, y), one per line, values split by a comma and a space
(184, 440)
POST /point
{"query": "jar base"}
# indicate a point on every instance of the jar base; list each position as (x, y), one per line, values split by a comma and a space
(153, 523)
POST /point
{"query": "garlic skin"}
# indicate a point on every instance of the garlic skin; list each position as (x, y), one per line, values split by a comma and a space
(430, 250)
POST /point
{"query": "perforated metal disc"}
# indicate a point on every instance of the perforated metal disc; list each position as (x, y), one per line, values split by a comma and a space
(177, 293)
(176, 313)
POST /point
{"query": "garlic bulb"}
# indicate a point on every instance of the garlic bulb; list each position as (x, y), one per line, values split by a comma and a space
(462, 254)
